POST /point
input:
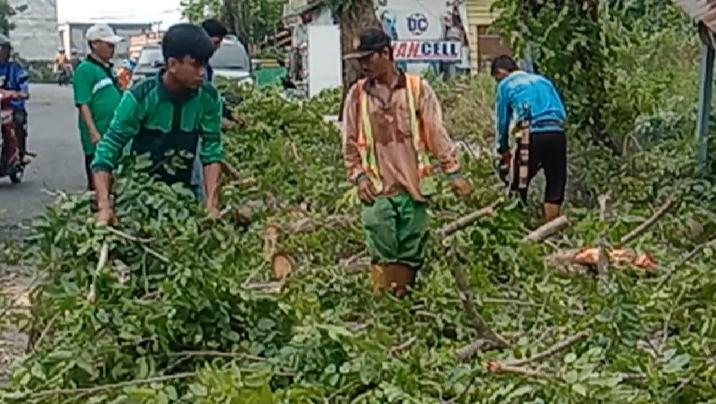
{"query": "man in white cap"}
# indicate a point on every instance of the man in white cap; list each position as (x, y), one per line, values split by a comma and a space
(97, 90)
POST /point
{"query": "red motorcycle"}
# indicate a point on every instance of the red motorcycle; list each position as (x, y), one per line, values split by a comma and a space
(11, 161)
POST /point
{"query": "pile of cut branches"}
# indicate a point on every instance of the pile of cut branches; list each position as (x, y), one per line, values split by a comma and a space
(271, 303)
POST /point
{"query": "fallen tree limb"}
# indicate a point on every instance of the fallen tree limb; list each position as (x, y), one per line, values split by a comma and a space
(648, 223)
(129, 237)
(231, 170)
(307, 224)
(552, 350)
(403, 346)
(497, 367)
(589, 257)
(476, 320)
(516, 366)
(686, 258)
(107, 387)
(547, 230)
(141, 241)
(696, 250)
(294, 151)
(468, 220)
(101, 262)
(486, 338)
(284, 264)
(470, 350)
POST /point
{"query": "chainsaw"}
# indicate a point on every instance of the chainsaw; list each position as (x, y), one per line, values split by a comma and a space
(503, 163)
(502, 167)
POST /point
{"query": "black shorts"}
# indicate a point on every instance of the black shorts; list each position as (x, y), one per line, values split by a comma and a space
(88, 171)
(548, 151)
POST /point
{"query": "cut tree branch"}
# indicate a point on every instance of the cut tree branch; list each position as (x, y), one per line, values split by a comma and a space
(468, 351)
(691, 254)
(403, 346)
(516, 366)
(231, 170)
(307, 224)
(129, 237)
(547, 230)
(468, 220)
(107, 387)
(552, 350)
(142, 242)
(497, 367)
(642, 228)
(101, 262)
(476, 320)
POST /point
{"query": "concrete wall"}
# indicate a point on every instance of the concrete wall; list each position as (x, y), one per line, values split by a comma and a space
(35, 35)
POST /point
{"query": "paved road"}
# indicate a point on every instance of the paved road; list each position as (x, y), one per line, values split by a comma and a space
(58, 166)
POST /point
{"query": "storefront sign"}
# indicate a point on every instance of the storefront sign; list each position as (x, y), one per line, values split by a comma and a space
(427, 51)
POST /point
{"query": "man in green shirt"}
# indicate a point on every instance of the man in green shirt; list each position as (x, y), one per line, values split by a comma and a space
(97, 91)
(167, 116)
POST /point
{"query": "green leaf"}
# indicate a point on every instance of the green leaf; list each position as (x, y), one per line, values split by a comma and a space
(580, 389)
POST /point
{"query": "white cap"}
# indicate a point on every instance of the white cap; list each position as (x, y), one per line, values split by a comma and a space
(104, 33)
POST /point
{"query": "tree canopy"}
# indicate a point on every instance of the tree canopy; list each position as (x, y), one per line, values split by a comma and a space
(7, 11)
(251, 20)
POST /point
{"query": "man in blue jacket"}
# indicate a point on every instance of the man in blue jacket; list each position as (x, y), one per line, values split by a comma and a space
(15, 78)
(532, 99)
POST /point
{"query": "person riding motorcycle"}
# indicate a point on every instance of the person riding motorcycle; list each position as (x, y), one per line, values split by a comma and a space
(14, 78)
(124, 74)
(62, 62)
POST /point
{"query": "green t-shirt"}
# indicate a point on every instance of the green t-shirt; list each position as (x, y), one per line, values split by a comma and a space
(162, 125)
(96, 86)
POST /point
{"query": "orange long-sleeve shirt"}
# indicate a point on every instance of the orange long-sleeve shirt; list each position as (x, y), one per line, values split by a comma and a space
(395, 152)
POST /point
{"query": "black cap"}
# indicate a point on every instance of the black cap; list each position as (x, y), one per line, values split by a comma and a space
(371, 40)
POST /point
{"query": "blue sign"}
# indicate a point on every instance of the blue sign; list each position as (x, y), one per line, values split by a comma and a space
(417, 24)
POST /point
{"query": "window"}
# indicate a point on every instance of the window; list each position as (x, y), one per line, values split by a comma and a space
(230, 56)
(149, 55)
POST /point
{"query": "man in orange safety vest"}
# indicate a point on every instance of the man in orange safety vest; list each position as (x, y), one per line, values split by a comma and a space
(392, 123)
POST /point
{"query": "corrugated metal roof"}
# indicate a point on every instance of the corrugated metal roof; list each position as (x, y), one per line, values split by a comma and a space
(700, 10)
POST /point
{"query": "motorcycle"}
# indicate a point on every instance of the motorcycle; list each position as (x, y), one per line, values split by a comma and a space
(11, 162)
(64, 78)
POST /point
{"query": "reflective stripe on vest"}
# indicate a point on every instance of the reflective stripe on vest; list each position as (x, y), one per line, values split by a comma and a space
(366, 140)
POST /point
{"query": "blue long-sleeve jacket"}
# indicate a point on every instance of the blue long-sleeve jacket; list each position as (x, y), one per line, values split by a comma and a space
(17, 79)
(547, 113)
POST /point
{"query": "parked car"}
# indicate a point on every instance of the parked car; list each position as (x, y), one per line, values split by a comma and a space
(230, 61)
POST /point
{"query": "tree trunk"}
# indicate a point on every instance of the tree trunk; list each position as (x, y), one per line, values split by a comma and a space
(352, 21)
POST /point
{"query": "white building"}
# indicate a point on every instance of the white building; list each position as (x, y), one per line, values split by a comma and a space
(35, 33)
(72, 35)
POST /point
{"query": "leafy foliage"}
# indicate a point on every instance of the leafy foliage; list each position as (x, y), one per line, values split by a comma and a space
(251, 20)
(186, 310)
(7, 11)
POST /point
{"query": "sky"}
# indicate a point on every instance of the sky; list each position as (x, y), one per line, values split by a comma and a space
(165, 11)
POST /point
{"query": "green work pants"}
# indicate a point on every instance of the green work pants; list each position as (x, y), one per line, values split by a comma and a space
(396, 229)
